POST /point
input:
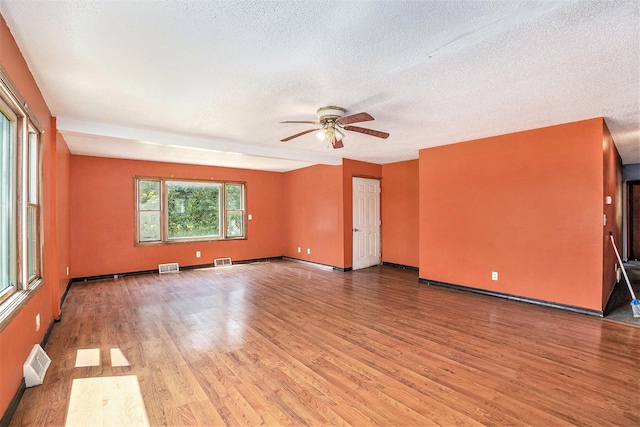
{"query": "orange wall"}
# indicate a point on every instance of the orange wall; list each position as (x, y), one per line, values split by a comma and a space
(612, 186)
(103, 211)
(313, 214)
(17, 339)
(399, 213)
(351, 168)
(527, 205)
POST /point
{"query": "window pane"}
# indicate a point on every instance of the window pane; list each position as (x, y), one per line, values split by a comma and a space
(193, 210)
(33, 174)
(33, 169)
(149, 226)
(234, 224)
(31, 242)
(149, 195)
(6, 205)
(7, 254)
(234, 196)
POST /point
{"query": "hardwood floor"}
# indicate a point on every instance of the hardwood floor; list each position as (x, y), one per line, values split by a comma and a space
(284, 343)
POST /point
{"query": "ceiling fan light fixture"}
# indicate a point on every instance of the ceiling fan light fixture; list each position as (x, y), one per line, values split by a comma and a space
(332, 121)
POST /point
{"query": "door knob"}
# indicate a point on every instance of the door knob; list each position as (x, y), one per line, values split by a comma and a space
(355, 229)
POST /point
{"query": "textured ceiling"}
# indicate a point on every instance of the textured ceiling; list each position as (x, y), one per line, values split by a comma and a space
(209, 82)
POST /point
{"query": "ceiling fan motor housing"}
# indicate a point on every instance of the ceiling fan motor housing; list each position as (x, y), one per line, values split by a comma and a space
(332, 113)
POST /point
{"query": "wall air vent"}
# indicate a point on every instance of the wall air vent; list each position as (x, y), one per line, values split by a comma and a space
(171, 267)
(35, 367)
(222, 262)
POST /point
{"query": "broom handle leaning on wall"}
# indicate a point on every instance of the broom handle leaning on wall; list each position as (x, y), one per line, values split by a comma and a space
(622, 266)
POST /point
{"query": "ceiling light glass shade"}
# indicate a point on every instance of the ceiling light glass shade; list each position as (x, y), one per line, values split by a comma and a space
(329, 133)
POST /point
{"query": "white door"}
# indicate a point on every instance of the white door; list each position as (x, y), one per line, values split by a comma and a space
(366, 222)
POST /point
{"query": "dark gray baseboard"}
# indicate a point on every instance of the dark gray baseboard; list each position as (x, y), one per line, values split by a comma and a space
(402, 266)
(534, 301)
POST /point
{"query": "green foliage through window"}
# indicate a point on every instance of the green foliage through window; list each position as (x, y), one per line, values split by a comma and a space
(234, 196)
(149, 195)
(193, 210)
(149, 210)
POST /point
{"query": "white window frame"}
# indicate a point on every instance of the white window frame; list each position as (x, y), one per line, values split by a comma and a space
(26, 195)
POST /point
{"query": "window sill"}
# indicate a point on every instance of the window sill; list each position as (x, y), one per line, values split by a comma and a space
(178, 241)
(16, 302)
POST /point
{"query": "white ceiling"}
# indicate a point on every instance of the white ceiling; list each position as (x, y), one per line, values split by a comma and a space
(208, 82)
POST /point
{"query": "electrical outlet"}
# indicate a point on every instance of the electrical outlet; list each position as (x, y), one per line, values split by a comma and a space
(197, 254)
(299, 250)
(67, 270)
(37, 322)
(494, 275)
(308, 251)
(250, 217)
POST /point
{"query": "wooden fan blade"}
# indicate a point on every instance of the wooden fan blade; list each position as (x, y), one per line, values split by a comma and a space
(297, 135)
(371, 132)
(338, 144)
(301, 121)
(355, 118)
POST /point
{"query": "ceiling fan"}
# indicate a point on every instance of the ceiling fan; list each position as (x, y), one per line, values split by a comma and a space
(331, 120)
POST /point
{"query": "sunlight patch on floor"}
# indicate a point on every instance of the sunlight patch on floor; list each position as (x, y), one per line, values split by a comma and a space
(118, 358)
(88, 357)
(106, 401)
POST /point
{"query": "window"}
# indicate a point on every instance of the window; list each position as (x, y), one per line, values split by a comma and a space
(20, 182)
(171, 210)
